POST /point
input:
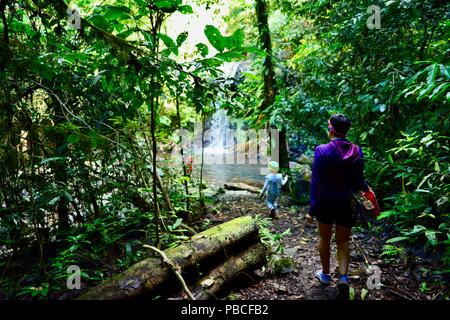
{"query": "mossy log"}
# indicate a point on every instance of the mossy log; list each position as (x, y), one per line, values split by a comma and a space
(149, 274)
(217, 280)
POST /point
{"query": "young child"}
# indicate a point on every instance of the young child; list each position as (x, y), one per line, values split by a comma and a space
(274, 182)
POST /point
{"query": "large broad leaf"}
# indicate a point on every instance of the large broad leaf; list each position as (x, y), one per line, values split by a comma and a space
(185, 9)
(236, 40)
(215, 38)
(126, 33)
(117, 13)
(99, 21)
(170, 44)
(168, 6)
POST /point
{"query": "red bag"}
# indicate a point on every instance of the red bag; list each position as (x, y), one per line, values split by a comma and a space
(370, 195)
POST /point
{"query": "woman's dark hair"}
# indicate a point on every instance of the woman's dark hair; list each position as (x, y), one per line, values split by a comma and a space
(341, 124)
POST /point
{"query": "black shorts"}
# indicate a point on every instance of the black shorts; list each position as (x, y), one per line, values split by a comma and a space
(334, 212)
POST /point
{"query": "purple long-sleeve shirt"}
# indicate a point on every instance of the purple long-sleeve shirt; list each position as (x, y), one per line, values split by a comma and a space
(337, 172)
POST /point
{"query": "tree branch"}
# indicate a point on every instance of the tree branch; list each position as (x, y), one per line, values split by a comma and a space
(174, 269)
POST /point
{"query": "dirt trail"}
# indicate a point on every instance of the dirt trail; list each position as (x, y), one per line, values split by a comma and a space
(301, 245)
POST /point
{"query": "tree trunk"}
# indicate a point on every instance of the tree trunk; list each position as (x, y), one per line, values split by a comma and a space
(200, 187)
(60, 170)
(270, 86)
(284, 153)
(164, 192)
(156, 21)
(150, 274)
(4, 40)
(185, 182)
(265, 40)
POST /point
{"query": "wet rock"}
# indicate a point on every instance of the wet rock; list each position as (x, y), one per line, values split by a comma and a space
(291, 252)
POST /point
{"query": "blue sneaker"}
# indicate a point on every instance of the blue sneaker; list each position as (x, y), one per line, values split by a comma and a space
(343, 280)
(323, 277)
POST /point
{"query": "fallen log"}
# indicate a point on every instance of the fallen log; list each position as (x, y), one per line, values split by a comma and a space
(241, 186)
(174, 269)
(151, 273)
(209, 287)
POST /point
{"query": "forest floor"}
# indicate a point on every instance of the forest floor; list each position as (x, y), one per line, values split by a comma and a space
(399, 281)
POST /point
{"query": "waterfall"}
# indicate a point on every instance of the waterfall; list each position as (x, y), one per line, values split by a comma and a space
(223, 142)
(216, 132)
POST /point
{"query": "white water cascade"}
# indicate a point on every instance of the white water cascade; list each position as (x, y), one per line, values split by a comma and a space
(217, 134)
(221, 136)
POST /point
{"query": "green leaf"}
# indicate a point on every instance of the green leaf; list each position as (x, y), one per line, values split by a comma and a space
(351, 293)
(397, 239)
(423, 93)
(203, 49)
(236, 40)
(432, 73)
(426, 138)
(423, 180)
(177, 223)
(439, 90)
(53, 201)
(164, 120)
(416, 230)
(215, 38)
(99, 21)
(414, 78)
(186, 9)
(163, 4)
(431, 236)
(68, 196)
(168, 6)
(117, 13)
(230, 56)
(444, 71)
(436, 167)
(126, 34)
(128, 250)
(364, 293)
(182, 38)
(170, 44)
(391, 161)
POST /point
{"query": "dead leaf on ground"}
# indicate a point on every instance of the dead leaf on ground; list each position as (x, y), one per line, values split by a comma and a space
(207, 283)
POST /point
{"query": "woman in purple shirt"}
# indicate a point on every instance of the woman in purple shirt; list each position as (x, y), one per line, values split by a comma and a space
(337, 173)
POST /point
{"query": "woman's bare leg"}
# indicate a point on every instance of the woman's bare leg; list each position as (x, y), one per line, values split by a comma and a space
(325, 231)
(343, 248)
